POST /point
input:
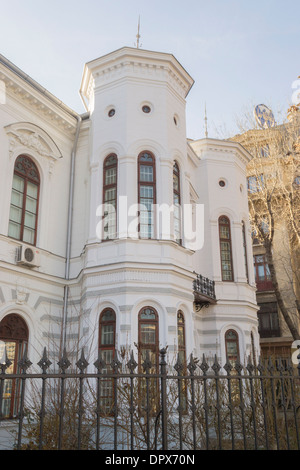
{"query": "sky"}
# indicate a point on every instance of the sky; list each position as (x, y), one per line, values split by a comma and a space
(240, 53)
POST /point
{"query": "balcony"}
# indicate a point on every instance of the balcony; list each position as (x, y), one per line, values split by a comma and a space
(204, 292)
(264, 286)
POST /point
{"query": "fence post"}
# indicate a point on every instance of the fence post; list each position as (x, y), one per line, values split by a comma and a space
(164, 411)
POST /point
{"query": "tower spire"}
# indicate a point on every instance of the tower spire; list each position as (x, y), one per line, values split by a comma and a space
(205, 119)
(138, 36)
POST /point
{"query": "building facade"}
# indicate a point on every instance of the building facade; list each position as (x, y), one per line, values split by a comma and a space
(89, 256)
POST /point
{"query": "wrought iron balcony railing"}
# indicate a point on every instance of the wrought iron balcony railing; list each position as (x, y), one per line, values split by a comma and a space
(204, 292)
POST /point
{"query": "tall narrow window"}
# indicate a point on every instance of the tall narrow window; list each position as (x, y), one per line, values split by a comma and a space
(182, 357)
(107, 332)
(245, 250)
(181, 336)
(13, 337)
(262, 274)
(177, 203)
(232, 345)
(148, 343)
(225, 248)
(24, 201)
(110, 176)
(146, 193)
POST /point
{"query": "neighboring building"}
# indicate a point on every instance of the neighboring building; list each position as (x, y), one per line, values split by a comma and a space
(274, 167)
(67, 282)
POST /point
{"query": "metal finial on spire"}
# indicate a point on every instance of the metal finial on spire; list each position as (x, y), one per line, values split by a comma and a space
(138, 36)
(205, 119)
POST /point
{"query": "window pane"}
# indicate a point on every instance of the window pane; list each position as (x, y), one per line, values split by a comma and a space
(32, 190)
(29, 220)
(28, 235)
(146, 173)
(15, 214)
(180, 336)
(107, 334)
(111, 176)
(14, 230)
(224, 232)
(148, 333)
(146, 192)
(31, 204)
(110, 195)
(175, 182)
(17, 198)
(18, 183)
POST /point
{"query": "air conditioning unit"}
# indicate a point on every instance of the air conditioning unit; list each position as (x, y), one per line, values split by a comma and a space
(28, 256)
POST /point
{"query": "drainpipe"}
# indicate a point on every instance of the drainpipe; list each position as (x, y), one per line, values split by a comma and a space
(69, 235)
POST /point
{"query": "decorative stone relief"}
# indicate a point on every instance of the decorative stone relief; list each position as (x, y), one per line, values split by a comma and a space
(33, 138)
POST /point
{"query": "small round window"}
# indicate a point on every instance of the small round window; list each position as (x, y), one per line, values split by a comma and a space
(146, 109)
(222, 183)
(111, 112)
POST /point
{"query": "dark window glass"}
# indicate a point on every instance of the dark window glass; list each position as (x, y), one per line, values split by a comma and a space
(13, 338)
(225, 249)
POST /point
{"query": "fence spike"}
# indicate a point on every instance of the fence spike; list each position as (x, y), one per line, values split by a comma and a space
(100, 363)
(64, 362)
(204, 365)
(216, 366)
(250, 367)
(44, 363)
(115, 363)
(192, 365)
(238, 366)
(147, 364)
(228, 366)
(132, 364)
(7, 362)
(24, 363)
(82, 363)
(260, 366)
(179, 366)
(270, 366)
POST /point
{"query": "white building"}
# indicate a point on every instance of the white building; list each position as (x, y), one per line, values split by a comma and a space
(71, 288)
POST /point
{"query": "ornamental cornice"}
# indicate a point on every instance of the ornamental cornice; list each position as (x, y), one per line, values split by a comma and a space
(37, 98)
(136, 64)
(139, 276)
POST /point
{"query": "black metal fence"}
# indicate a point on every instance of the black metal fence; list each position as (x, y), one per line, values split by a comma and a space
(130, 406)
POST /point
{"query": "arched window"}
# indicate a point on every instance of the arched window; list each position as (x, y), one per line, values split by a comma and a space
(146, 194)
(225, 249)
(181, 337)
(13, 337)
(110, 181)
(232, 345)
(107, 334)
(177, 203)
(245, 250)
(24, 201)
(148, 342)
(182, 358)
(148, 335)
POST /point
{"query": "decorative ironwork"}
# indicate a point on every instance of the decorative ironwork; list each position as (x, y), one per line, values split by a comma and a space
(203, 406)
(44, 363)
(204, 292)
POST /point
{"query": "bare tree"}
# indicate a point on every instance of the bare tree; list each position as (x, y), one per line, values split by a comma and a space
(274, 206)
